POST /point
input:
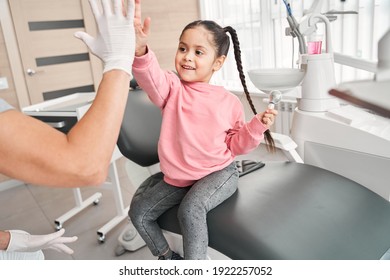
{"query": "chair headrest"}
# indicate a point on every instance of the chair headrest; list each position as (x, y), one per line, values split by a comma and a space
(140, 129)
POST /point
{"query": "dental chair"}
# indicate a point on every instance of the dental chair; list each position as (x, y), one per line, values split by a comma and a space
(284, 210)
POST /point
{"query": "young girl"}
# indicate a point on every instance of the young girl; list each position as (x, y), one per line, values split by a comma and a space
(202, 131)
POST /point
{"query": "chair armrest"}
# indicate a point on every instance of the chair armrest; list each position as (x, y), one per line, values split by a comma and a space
(288, 146)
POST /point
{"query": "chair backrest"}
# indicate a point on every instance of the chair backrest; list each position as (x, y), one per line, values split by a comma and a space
(140, 129)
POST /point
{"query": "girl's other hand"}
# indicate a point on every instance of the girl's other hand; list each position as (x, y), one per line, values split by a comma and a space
(267, 117)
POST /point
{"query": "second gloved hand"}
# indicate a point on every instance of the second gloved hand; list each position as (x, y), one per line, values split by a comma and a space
(115, 41)
(22, 241)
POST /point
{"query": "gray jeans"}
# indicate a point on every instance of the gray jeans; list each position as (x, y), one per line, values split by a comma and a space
(151, 201)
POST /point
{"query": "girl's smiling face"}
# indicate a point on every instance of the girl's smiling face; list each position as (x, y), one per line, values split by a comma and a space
(196, 59)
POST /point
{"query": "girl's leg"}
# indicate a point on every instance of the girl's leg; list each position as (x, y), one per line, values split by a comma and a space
(203, 196)
(149, 202)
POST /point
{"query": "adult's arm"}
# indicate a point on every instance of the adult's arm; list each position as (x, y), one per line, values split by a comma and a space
(36, 153)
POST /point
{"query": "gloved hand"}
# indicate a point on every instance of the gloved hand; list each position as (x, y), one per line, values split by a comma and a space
(22, 241)
(115, 41)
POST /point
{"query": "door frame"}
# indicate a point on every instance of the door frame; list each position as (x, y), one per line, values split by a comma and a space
(14, 57)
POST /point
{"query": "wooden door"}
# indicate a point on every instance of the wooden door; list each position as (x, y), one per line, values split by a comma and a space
(55, 62)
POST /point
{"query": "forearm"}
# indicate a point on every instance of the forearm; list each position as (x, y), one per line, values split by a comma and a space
(96, 134)
(33, 152)
(94, 137)
(244, 139)
(4, 239)
(152, 79)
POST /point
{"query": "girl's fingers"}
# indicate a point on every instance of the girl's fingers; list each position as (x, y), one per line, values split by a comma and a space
(146, 26)
(272, 111)
(137, 11)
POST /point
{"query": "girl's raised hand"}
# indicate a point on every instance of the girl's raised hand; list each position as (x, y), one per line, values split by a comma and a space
(141, 30)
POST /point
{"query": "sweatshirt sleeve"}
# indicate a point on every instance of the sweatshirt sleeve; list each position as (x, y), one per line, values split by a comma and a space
(152, 79)
(245, 137)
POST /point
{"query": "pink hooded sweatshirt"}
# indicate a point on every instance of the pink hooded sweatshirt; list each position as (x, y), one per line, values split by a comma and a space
(203, 125)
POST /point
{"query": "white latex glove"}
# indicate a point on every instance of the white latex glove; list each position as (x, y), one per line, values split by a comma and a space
(115, 41)
(22, 241)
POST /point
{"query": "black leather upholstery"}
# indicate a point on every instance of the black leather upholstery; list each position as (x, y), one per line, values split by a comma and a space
(284, 210)
(140, 129)
(289, 210)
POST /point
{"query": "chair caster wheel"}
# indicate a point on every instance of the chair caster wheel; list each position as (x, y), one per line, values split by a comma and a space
(96, 202)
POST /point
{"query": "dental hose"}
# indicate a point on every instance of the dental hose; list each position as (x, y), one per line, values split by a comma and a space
(294, 28)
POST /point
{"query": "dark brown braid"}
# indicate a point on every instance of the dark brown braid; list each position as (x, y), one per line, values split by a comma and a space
(222, 43)
(237, 54)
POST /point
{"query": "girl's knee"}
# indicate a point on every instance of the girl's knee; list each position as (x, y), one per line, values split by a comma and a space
(190, 212)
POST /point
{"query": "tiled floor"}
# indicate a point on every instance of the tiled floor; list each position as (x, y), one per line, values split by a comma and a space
(34, 209)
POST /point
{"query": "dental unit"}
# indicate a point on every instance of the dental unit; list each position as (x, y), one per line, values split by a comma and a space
(329, 133)
(332, 135)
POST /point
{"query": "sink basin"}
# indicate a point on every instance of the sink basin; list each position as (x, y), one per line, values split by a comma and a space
(282, 79)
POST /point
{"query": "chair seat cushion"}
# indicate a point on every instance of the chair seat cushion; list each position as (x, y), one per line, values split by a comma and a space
(289, 210)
